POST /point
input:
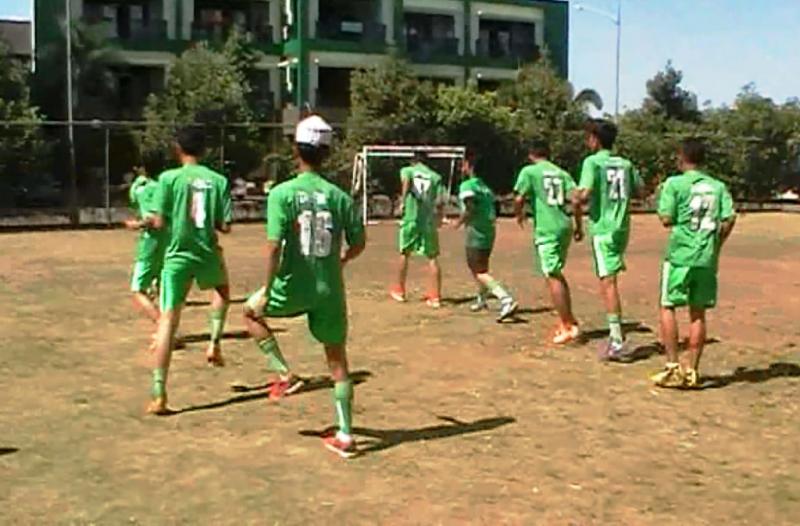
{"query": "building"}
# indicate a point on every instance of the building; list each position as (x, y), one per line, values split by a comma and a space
(309, 47)
(17, 34)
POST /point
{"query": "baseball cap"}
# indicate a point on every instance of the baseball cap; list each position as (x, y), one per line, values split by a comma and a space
(313, 131)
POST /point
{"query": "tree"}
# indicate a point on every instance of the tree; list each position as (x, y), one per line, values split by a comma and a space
(204, 86)
(665, 96)
(21, 145)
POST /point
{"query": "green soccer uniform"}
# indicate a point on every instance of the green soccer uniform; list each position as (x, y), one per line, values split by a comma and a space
(547, 188)
(480, 226)
(697, 205)
(310, 215)
(418, 230)
(612, 181)
(151, 243)
(194, 201)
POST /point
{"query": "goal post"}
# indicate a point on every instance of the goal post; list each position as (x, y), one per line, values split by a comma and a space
(361, 165)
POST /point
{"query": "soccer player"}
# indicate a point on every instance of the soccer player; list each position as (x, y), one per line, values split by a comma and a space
(421, 199)
(607, 184)
(547, 188)
(478, 214)
(307, 217)
(698, 210)
(150, 247)
(193, 203)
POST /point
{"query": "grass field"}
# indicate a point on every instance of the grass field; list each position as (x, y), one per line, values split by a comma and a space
(462, 421)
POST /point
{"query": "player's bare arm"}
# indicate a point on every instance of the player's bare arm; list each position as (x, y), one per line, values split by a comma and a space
(353, 252)
(466, 215)
(255, 305)
(667, 221)
(224, 228)
(577, 216)
(726, 228)
(519, 210)
(405, 188)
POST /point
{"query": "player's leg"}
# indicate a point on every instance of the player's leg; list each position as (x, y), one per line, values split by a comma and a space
(220, 300)
(328, 324)
(143, 276)
(175, 283)
(560, 295)
(608, 251)
(478, 260)
(434, 294)
(673, 294)
(609, 290)
(407, 239)
(702, 296)
(481, 299)
(256, 307)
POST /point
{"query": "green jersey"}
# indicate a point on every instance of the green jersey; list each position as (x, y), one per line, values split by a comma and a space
(142, 197)
(480, 225)
(547, 187)
(697, 204)
(423, 196)
(194, 201)
(310, 216)
(612, 180)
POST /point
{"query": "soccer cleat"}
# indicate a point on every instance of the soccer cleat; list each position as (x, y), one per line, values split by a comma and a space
(507, 309)
(433, 302)
(343, 448)
(214, 356)
(671, 377)
(479, 304)
(283, 388)
(158, 406)
(397, 294)
(614, 351)
(691, 379)
(566, 334)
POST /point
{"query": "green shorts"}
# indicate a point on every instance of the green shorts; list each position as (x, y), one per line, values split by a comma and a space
(692, 286)
(423, 241)
(608, 251)
(327, 318)
(551, 254)
(146, 274)
(177, 278)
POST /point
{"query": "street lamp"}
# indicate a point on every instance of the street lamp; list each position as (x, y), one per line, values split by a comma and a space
(617, 20)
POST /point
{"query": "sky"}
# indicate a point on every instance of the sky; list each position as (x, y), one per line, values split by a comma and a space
(720, 45)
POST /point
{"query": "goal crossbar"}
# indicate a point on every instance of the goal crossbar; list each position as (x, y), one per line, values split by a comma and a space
(361, 164)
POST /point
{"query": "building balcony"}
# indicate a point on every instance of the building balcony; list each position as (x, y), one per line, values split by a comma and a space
(432, 49)
(351, 30)
(491, 50)
(219, 32)
(134, 30)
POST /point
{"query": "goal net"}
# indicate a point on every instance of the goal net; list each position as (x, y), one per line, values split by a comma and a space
(361, 183)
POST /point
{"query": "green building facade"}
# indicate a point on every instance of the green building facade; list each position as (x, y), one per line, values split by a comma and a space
(309, 47)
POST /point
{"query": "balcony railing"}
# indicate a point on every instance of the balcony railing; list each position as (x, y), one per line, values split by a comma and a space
(135, 30)
(218, 32)
(351, 30)
(427, 49)
(493, 49)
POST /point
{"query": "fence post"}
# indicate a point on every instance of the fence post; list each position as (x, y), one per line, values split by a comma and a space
(108, 174)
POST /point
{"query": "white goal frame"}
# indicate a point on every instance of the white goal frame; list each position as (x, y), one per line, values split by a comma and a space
(361, 165)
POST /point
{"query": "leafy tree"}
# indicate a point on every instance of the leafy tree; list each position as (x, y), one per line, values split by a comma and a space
(665, 96)
(21, 143)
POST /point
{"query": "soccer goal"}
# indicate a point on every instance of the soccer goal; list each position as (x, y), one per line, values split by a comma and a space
(361, 166)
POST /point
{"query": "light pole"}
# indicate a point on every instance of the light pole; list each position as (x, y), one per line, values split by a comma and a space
(73, 176)
(617, 20)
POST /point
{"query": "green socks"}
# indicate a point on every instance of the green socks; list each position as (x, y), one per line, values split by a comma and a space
(275, 360)
(343, 400)
(217, 323)
(497, 289)
(159, 390)
(615, 327)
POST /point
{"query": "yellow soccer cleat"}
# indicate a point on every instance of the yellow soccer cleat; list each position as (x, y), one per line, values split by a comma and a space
(691, 379)
(671, 377)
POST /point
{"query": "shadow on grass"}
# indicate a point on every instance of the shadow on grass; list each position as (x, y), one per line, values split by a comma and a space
(204, 337)
(628, 327)
(260, 391)
(752, 376)
(206, 303)
(382, 439)
(8, 451)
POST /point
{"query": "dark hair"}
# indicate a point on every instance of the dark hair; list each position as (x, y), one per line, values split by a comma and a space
(191, 140)
(469, 156)
(539, 148)
(605, 132)
(313, 155)
(694, 150)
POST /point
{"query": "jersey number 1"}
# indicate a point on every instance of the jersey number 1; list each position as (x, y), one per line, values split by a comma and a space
(316, 233)
(199, 208)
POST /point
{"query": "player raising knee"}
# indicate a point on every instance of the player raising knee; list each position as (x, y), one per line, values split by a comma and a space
(698, 209)
(607, 184)
(478, 214)
(150, 248)
(421, 200)
(306, 219)
(193, 203)
(547, 188)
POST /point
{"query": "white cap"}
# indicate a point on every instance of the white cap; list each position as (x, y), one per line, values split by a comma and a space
(313, 131)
